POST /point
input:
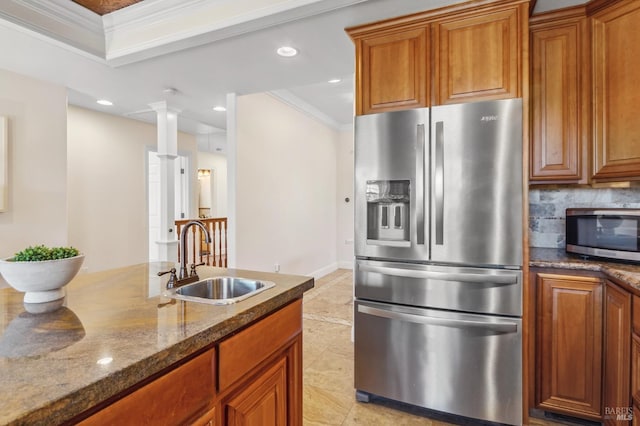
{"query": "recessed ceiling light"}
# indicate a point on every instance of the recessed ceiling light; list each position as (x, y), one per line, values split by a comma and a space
(335, 80)
(287, 51)
(104, 102)
(219, 108)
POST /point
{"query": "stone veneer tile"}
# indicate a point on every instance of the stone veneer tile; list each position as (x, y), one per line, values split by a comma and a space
(542, 210)
(547, 209)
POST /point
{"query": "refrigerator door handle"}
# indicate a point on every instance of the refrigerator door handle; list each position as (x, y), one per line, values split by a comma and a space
(445, 276)
(502, 327)
(438, 183)
(419, 204)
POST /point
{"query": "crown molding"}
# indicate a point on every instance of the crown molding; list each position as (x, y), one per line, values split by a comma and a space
(149, 29)
(295, 102)
(65, 11)
(60, 20)
(152, 28)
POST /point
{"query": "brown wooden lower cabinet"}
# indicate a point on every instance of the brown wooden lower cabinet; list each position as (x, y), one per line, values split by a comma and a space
(617, 351)
(569, 344)
(263, 402)
(260, 372)
(587, 364)
(635, 361)
(635, 375)
(252, 378)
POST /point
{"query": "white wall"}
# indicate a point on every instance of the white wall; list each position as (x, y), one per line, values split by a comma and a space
(285, 189)
(345, 189)
(108, 186)
(218, 166)
(37, 210)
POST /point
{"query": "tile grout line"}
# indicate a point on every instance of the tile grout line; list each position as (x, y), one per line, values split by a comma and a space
(322, 318)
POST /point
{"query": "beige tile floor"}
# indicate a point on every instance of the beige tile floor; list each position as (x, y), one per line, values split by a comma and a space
(329, 397)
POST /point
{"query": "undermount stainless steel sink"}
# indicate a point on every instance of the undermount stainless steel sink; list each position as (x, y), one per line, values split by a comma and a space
(220, 290)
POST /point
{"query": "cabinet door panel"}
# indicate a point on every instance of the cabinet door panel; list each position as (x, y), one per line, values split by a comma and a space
(559, 99)
(635, 367)
(477, 58)
(263, 402)
(617, 341)
(394, 71)
(616, 103)
(569, 345)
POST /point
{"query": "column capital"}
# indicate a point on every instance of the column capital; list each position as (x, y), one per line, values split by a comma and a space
(163, 106)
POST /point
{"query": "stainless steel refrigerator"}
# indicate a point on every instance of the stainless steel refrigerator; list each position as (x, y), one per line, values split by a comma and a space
(438, 273)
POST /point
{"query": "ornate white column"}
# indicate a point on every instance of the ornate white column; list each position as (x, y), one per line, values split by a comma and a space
(167, 124)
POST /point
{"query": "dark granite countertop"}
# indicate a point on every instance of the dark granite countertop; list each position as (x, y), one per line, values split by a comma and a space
(626, 274)
(49, 365)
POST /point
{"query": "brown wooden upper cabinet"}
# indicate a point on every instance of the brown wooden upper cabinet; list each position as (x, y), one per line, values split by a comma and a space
(477, 57)
(584, 102)
(393, 70)
(466, 52)
(616, 79)
(560, 97)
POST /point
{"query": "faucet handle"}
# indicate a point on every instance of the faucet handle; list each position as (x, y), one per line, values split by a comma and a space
(193, 269)
(172, 278)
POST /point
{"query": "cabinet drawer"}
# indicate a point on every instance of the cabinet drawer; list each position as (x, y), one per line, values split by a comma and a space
(171, 399)
(241, 353)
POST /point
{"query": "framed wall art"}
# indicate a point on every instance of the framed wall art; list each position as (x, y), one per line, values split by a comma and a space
(4, 164)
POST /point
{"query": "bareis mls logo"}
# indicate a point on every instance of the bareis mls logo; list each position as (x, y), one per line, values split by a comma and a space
(618, 413)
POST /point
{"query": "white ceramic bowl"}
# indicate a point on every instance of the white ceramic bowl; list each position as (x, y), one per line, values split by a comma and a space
(42, 281)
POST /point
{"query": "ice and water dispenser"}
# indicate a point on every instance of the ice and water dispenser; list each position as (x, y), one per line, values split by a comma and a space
(388, 212)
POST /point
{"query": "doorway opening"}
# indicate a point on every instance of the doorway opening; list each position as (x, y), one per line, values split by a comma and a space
(206, 196)
(181, 199)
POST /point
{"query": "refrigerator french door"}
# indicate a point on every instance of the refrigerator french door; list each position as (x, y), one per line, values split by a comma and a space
(438, 280)
(441, 184)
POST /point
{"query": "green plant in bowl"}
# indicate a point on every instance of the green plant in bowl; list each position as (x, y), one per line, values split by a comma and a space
(41, 273)
(41, 252)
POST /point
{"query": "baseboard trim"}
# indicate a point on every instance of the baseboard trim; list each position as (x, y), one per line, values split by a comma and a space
(344, 264)
(324, 271)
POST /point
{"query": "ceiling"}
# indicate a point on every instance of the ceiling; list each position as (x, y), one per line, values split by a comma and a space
(192, 53)
(102, 7)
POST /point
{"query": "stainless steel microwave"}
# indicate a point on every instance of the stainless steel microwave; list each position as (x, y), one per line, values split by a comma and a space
(607, 233)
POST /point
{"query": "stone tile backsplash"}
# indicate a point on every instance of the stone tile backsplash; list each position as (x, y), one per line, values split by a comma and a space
(547, 209)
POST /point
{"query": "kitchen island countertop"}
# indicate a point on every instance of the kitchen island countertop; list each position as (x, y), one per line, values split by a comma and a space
(115, 330)
(627, 274)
